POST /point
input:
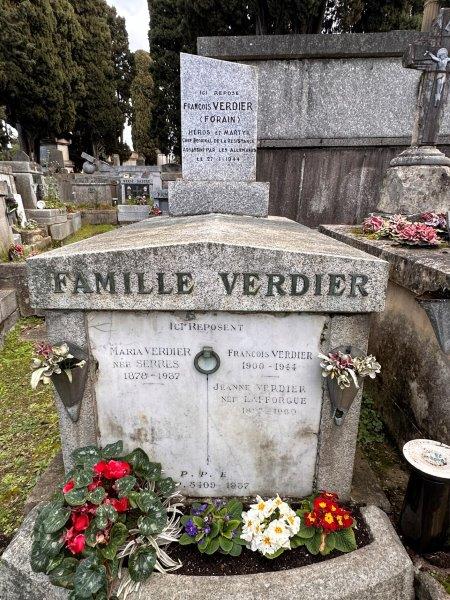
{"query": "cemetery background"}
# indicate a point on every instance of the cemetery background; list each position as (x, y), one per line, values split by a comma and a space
(349, 185)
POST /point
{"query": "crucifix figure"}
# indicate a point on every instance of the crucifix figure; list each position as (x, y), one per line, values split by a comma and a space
(432, 57)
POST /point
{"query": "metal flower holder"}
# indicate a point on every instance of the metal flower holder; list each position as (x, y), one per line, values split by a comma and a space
(71, 392)
(342, 399)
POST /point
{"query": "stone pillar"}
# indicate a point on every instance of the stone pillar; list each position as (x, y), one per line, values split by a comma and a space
(430, 12)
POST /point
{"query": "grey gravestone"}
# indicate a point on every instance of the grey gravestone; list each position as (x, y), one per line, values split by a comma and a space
(56, 159)
(419, 178)
(219, 108)
(21, 156)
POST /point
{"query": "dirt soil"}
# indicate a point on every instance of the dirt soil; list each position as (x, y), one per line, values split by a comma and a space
(195, 563)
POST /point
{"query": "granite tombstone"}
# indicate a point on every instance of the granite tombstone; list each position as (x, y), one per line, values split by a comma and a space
(219, 110)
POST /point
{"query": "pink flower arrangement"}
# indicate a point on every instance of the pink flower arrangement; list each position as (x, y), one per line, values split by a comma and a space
(402, 231)
(373, 224)
(418, 234)
(436, 220)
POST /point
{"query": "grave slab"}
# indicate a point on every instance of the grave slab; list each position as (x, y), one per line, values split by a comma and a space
(60, 231)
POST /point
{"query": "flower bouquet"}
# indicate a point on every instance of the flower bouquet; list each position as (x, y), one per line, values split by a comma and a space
(270, 526)
(424, 232)
(327, 525)
(53, 360)
(112, 512)
(345, 372)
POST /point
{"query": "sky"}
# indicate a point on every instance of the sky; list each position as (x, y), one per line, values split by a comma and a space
(137, 20)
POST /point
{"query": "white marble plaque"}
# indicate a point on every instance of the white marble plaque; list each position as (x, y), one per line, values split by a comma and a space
(219, 103)
(250, 427)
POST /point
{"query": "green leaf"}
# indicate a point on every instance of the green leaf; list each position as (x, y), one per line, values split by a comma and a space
(154, 522)
(297, 541)
(112, 450)
(76, 497)
(119, 534)
(313, 544)
(125, 485)
(151, 471)
(185, 518)
(91, 533)
(167, 486)
(215, 529)
(56, 518)
(225, 544)
(90, 577)
(54, 562)
(228, 529)
(82, 478)
(63, 575)
(198, 521)
(105, 512)
(141, 564)
(234, 508)
(235, 550)
(275, 554)
(213, 546)
(87, 456)
(345, 540)
(39, 559)
(306, 532)
(142, 466)
(147, 499)
(96, 496)
(186, 539)
(329, 544)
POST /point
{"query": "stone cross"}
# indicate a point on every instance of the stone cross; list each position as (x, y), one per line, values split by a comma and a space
(432, 57)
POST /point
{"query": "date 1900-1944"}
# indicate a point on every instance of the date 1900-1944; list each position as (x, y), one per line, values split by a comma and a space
(180, 283)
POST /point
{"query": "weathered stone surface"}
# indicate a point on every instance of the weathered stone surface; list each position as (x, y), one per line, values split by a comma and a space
(204, 247)
(366, 488)
(427, 588)
(380, 571)
(262, 47)
(71, 326)
(219, 104)
(99, 217)
(256, 418)
(228, 197)
(415, 189)
(132, 214)
(419, 270)
(47, 216)
(7, 324)
(14, 276)
(75, 221)
(8, 303)
(32, 236)
(412, 392)
(51, 479)
(420, 155)
(6, 238)
(59, 231)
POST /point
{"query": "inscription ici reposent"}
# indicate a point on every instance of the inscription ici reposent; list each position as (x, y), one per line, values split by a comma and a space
(181, 283)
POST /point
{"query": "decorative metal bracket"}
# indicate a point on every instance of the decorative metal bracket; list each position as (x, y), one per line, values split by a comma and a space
(209, 359)
(341, 400)
(438, 312)
(71, 393)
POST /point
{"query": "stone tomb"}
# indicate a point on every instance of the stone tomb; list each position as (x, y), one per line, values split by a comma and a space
(266, 295)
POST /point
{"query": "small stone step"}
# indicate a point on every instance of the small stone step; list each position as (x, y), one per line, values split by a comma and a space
(8, 303)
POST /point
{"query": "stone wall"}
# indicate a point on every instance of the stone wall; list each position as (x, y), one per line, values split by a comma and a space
(334, 110)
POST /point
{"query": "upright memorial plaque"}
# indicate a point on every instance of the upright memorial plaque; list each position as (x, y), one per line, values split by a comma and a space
(219, 113)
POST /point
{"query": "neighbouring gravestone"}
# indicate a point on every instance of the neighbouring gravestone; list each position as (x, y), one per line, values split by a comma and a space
(219, 106)
(203, 331)
(419, 178)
